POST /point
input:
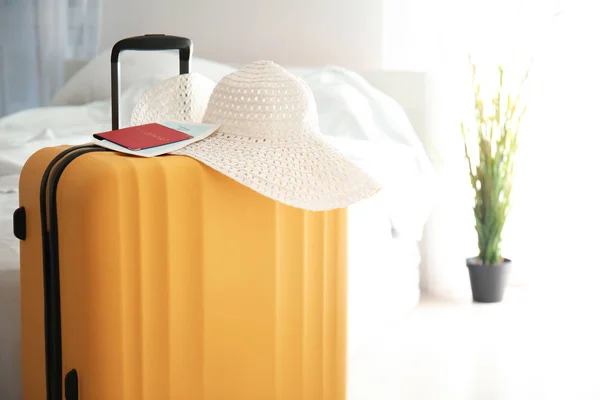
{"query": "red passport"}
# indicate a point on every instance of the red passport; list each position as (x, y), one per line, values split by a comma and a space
(143, 136)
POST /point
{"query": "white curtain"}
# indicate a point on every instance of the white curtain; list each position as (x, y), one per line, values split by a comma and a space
(552, 233)
(36, 38)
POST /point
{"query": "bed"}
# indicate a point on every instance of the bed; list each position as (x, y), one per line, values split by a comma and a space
(375, 117)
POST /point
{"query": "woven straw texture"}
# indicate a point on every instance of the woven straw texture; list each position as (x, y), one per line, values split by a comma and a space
(269, 141)
(181, 98)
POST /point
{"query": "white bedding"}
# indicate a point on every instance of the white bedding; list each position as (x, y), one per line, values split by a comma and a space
(384, 231)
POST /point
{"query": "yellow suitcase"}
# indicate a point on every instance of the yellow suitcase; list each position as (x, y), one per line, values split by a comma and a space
(172, 281)
(162, 279)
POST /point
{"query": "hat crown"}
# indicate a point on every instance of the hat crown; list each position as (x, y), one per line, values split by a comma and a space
(263, 100)
(181, 98)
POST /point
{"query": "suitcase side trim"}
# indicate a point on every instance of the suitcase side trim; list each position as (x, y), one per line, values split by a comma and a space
(52, 318)
(19, 223)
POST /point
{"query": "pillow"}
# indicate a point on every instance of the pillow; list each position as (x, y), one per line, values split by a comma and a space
(351, 107)
(92, 82)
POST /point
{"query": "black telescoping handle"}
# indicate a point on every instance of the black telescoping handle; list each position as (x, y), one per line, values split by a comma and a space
(153, 42)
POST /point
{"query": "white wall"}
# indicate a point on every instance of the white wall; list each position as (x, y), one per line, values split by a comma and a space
(291, 32)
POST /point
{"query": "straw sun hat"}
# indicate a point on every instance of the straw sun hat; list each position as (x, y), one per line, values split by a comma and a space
(268, 139)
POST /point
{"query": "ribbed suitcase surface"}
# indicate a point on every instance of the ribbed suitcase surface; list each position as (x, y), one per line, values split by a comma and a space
(177, 282)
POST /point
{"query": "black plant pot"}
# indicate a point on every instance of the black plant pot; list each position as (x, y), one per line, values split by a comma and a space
(488, 282)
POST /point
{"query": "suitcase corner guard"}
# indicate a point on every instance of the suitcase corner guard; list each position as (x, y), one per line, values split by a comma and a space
(71, 385)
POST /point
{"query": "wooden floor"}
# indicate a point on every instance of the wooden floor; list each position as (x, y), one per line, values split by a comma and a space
(527, 347)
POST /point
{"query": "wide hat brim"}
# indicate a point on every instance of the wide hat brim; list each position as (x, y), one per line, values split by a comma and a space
(309, 174)
(268, 139)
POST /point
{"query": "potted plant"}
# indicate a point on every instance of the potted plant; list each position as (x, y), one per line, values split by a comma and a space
(490, 146)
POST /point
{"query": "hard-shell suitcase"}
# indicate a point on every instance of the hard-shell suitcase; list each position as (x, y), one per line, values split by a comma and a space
(160, 278)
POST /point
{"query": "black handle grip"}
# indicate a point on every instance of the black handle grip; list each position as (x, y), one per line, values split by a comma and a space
(153, 42)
